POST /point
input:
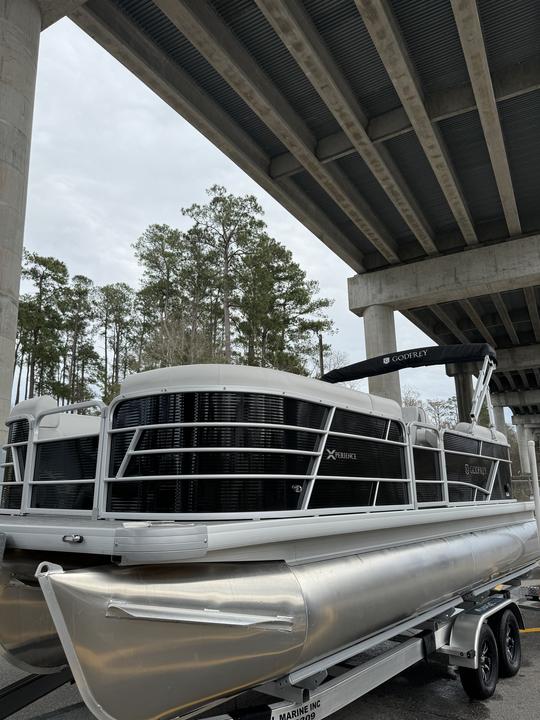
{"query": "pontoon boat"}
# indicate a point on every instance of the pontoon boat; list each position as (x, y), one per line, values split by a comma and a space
(216, 528)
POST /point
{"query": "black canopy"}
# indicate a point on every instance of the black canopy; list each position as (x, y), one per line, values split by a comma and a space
(435, 355)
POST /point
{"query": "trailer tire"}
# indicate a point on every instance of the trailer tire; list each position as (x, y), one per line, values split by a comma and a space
(508, 645)
(480, 683)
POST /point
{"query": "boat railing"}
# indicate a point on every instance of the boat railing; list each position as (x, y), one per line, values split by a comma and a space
(435, 481)
(13, 465)
(309, 479)
(427, 477)
(25, 469)
(482, 464)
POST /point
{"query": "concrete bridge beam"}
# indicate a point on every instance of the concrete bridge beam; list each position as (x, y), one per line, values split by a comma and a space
(518, 398)
(476, 271)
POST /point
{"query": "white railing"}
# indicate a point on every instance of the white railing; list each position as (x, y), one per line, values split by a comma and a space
(28, 479)
(11, 450)
(103, 480)
(310, 477)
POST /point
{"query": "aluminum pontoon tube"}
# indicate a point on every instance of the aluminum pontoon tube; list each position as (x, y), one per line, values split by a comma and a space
(155, 641)
(28, 637)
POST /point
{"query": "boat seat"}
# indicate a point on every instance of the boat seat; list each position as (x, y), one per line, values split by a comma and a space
(480, 432)
(414, 413)
(421, 435)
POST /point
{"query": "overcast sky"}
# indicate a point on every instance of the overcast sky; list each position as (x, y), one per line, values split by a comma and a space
(109, 158)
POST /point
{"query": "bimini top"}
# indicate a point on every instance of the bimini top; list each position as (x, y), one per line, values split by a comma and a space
(214, 377)
(418, 357)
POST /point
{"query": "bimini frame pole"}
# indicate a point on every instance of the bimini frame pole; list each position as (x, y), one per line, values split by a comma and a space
(481, 393)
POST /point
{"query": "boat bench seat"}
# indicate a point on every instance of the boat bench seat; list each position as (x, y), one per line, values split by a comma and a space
(420, 435)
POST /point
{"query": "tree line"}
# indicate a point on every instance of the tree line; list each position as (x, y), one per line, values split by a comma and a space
(223, 290)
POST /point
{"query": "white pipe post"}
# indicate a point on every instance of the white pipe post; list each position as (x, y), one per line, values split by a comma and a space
(534, 477)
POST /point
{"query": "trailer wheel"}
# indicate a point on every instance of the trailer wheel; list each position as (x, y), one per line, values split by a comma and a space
(508, 644)
(480, 683)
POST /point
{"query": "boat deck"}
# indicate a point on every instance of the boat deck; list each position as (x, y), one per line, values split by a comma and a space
(295, 539)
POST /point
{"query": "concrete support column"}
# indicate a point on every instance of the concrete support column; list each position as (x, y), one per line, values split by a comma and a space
(380, 337)
(20, 27)
(500, 422)
(533, 435)
(464, 395)
(523, 451)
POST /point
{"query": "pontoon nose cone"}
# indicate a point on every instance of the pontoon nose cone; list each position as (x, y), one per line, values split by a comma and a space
(157, 641)
(28, 637)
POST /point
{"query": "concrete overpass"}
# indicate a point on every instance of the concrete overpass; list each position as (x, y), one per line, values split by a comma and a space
(403, 135)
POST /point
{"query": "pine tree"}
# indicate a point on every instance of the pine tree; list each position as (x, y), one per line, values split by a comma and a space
(221, 291)
(43, 316)
(226, 225)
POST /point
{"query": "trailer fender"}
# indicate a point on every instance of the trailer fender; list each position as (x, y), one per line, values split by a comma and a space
(462, 648)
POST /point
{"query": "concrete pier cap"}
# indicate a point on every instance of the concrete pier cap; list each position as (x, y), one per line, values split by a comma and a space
(490, 268)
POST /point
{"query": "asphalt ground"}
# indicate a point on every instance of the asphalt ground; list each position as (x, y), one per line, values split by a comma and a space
(424, 691)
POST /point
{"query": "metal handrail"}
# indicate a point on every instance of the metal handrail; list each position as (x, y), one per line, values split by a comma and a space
(28, 480)
(19, 477)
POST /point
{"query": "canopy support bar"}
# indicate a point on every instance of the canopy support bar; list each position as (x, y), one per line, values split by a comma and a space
(481, 393)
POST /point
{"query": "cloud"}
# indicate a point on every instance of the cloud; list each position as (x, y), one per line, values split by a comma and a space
(109, 158)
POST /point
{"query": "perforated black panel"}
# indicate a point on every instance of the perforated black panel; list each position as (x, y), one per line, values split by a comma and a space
(497, 451)
(426, 464)
(461, 443)
(65, 496)
(215, 437)
(502, 488)
(71, 459)
(391, 493)
(8, 471)
(342, 493)
(469, 469)
(353, 457)
(226, 437)
(460, 493)
(218, 407)
(200, 496)
(428, 493)
(395, 432)
(18, 431)
(10, 497)
(218, 463)
(346, 421)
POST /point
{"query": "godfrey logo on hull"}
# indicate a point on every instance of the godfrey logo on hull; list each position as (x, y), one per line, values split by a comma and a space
(475, 470)
(338, 455)
(405, 356)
